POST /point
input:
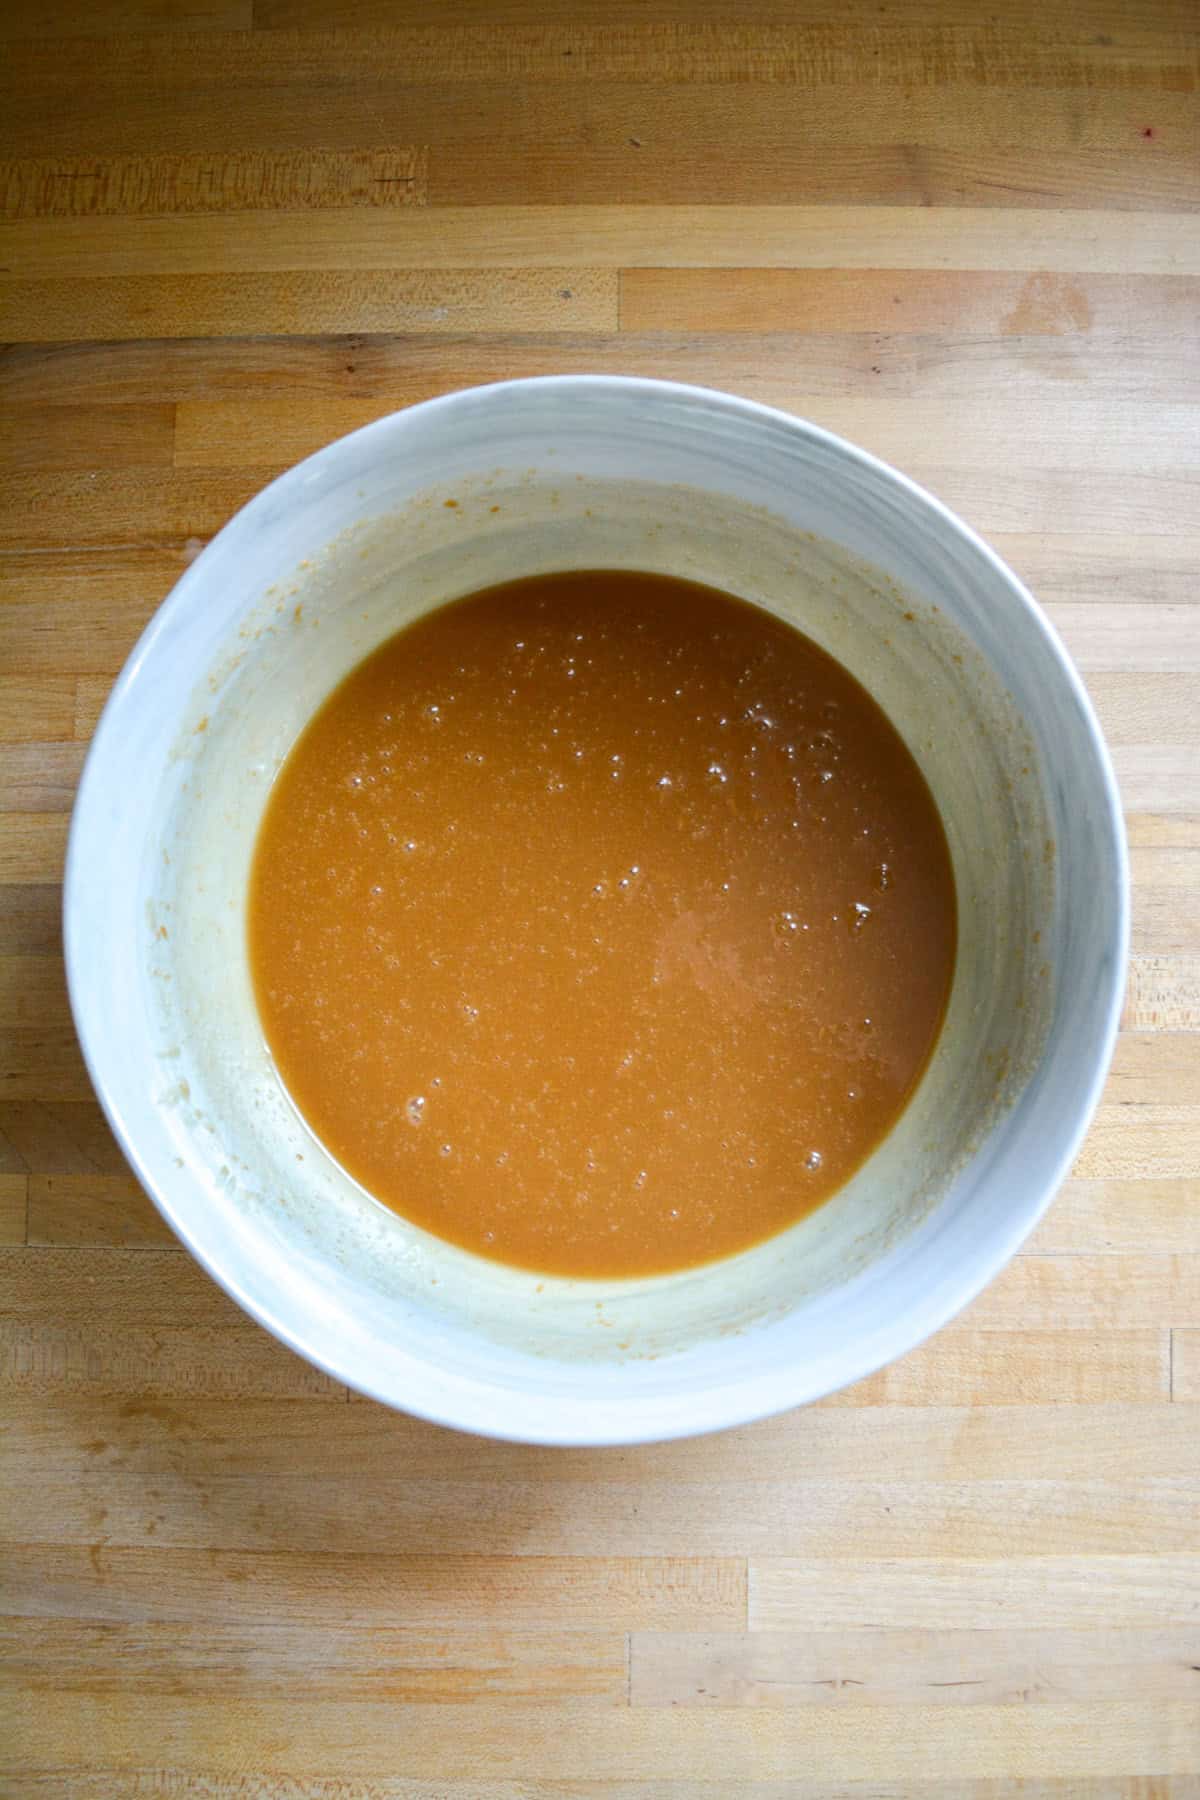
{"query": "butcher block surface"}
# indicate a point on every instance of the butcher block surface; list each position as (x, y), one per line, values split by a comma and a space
(966, 239)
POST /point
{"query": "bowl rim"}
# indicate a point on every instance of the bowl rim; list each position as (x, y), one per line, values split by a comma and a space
(722, 1405)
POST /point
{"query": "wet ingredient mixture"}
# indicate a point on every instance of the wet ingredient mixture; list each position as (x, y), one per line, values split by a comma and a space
(601, 924)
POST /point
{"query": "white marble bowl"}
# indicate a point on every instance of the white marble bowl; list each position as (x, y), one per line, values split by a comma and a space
(578, 472)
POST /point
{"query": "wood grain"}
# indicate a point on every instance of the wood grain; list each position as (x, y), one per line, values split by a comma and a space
(68, 187)
(1163, 993)
(370, 300)
(906, 302)
(243, 1784)
(767, 366)
(799, 1519)
(93, 1209)
(1118, 1215)
(58, 1139)
(33, 847)
(14, 1207)
(1002, 1666)
(78, 437)
(33, 707)
(429, 1593)
(1094, 1443)
(39, 777)
(1123, 1292)
(437, 1743)
(395, 1665)
(682, 44)
(1185, 1364)
(1114, 1593)
(1063, 241)
(51, 625)
(966, 238)
(65, 19)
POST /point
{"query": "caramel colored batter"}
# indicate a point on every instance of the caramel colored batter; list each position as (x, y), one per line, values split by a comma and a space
(601, 924)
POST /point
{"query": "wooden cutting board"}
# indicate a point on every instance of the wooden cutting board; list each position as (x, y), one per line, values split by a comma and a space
(966, 238)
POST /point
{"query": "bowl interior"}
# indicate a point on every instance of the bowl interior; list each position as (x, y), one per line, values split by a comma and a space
(571, 474)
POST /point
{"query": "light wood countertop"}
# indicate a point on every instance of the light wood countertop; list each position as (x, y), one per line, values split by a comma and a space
(965, 237)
